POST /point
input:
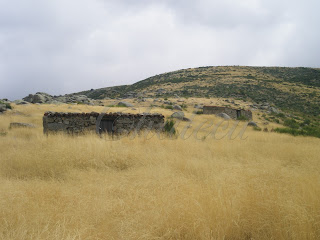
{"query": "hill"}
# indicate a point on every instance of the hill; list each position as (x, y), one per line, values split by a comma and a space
(295, 90)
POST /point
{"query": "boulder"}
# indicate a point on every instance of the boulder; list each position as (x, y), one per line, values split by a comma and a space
(21, 125)
(264, 107)
(224, 116)
(28, 98)
(198, 106)
(3, 108)
(274, 110)
(82, 99)
(125, 104)
(161, 90)
(20, 102)
(39, 97)
(253, 124)
(178, 115)
(177, 107)
(54, 102)
(61, 99)
(186, 119)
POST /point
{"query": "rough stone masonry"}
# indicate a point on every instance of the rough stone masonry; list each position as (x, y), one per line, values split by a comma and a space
(112, 123)
(232, 113)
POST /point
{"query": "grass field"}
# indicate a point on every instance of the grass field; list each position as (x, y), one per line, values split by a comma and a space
(59, 187)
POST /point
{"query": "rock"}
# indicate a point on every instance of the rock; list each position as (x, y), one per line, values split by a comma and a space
(28, 98)
(57, 126)
(178, 115)
(186, 119)
(54, 102)
(81, 98)
(274, 110)
(224, 115)
(21, 125)
(198, 106)
(177, 107)
(167, 102)
(125, 104)
(142, 100)
(20, 102)
(3, 107)
(39, 97)
(161, 90)
(61, 99)
(253, 124)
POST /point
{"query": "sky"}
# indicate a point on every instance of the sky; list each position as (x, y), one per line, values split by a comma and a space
(65, 46)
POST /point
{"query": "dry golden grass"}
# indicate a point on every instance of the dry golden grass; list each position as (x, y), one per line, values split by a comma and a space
(60, 187)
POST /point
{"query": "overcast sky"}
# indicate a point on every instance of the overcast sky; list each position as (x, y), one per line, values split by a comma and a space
(65, 46)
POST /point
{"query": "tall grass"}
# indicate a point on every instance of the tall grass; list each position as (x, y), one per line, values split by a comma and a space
(87, 187)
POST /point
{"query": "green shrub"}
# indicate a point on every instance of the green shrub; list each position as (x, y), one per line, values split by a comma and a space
(307, 131)
(3, 134)
(184, 106)
(198, 112)
(169, 107)
(291, 123)
(242, 118)
(306, 122)
(281, 115)
(121, 105)
(257, 129)
(169, 127)
(8, 105)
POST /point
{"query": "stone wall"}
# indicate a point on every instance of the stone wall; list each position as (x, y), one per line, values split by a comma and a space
(233, 113)
(74, 123)
(246, 113)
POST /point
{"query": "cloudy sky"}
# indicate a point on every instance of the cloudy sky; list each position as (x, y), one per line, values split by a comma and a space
(65, 46)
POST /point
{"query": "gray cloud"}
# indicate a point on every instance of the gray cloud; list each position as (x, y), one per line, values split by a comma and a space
(67, 46)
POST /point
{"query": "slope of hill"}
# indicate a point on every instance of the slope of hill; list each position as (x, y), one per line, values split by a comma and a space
(290, 89)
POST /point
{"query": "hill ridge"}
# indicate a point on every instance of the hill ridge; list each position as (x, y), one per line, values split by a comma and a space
(290, 88)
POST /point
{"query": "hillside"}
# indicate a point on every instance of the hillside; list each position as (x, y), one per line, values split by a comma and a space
(198, 185)
(291, 89)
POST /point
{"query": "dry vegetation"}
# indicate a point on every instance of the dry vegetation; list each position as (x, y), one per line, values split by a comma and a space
(60, 187)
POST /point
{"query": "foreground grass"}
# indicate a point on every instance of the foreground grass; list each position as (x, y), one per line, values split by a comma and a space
(264, 187)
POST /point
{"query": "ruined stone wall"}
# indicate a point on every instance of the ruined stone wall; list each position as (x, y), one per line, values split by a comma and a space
(230, 111)
(246, 113)
(138, 122)
(74, 123)
(217, 110)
